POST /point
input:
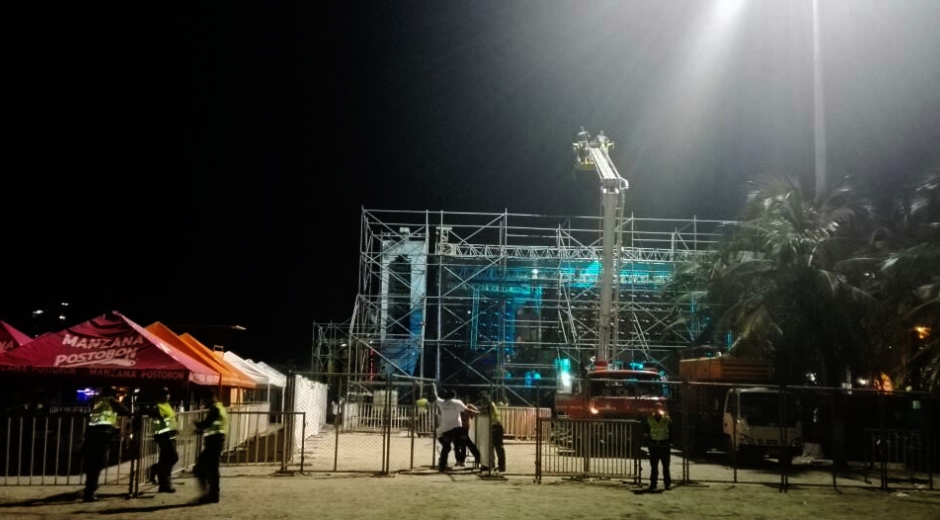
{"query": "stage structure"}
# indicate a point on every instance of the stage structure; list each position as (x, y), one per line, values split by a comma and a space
(510, 300)
(330, 342)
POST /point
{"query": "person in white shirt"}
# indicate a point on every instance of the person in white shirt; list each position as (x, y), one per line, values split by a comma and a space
(450, 429)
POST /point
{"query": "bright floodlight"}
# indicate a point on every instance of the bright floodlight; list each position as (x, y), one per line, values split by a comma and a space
(726, 11)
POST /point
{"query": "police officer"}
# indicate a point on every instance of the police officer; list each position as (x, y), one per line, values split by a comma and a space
(164, 429)
(658, 428)
(214, 428)
(101, 428)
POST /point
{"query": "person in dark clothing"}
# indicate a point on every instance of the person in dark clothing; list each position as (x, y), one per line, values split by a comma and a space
(658, 427)
(102, 427)
(214, 428)
(460, 449)
(164, 429)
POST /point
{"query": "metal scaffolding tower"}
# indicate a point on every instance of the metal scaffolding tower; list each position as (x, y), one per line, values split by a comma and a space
(504, 299)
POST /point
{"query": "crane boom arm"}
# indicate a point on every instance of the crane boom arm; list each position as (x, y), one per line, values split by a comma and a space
(593, 154)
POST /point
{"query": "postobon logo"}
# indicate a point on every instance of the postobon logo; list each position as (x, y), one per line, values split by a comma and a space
(113, 351)
(120, 351)
(124, 357)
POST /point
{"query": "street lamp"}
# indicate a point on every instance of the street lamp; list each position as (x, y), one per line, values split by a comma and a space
(819, 119)
(229, 327)
(214, 337)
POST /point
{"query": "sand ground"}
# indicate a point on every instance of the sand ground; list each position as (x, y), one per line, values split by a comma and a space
(261, 493)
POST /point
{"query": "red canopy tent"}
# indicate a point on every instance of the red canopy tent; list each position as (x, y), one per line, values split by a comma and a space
(10, 337)
(108, 349)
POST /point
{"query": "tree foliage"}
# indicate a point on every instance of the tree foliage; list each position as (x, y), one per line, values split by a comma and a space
(825, 287)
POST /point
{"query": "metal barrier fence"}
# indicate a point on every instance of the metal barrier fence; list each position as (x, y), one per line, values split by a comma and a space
(369, 417)
(903, 456)
(848, 438)
(377, 426)
(47, 449)
(521, 423)
(588, 448)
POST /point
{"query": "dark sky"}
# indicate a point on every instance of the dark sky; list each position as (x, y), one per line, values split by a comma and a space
(206, 163)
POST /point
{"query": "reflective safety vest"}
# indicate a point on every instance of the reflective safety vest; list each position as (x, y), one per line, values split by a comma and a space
(219, 425)
(659, 430)
(494, 414)
(103, 415)
(166, 422)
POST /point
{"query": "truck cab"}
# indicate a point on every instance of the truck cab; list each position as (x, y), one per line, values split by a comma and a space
(612, 394)
(750, 420)
(762, 421)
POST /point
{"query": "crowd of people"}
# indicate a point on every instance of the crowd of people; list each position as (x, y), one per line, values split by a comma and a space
(453, 430)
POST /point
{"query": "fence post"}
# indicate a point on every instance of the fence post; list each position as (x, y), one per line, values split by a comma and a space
(387, 427)
(339, 422)
(784, 457)
(883, 442)
(32, 450)
(414, 423)
(685, 400)
(733, 446)
(133, 487)
(303, 435)
(290, 405)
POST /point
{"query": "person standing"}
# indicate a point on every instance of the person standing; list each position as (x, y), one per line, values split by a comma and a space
(164, 435)
(460, 450)
(497, 432)
(450, 430)
(214, 428)
(100, 431)
(658, 428)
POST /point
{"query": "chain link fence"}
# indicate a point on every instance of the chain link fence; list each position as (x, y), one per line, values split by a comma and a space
(372, 426)
(791, 435)
(786, 436)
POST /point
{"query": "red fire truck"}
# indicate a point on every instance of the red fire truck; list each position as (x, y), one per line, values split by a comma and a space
(612, 394)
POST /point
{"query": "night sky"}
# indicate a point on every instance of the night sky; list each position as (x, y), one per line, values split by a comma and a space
(206, 163)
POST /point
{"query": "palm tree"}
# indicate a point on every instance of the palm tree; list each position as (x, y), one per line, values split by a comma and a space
(780, 284)
(908, 279)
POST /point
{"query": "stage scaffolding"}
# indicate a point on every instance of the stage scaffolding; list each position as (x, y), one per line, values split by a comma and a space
(504, 299)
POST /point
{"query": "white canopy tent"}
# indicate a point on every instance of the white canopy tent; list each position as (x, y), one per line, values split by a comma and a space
(249, 368)
(277, 378)
(263, 378)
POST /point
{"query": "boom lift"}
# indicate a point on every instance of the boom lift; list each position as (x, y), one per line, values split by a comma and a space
(606, 392)
(594, 155)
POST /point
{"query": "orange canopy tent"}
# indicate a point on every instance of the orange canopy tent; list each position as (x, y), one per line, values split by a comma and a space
(231, 377)
(249, 382)
(237, 393)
